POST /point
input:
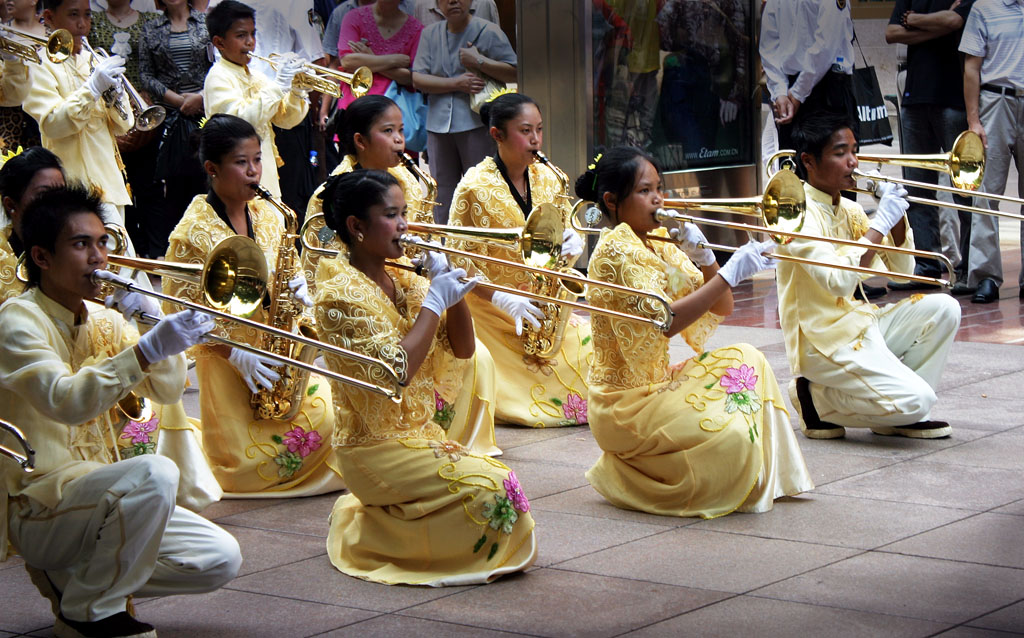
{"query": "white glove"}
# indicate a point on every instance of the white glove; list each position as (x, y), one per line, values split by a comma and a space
(431, 264)
(128, 303)
(446, 290)
(693, 243)
(107, 75)
(287, 71)
(174, 334)
(520, 309)
(572, 244)
(747, 261)
(256, 370)
(300, 290)
(892, 204)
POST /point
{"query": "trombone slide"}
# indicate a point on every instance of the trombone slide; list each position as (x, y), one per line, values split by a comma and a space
(27, 457)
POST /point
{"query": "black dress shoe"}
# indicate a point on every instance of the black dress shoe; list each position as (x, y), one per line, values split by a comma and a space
(961, 289)
(988, 292)
(1021, 295)
(872, 292)
(911, 285)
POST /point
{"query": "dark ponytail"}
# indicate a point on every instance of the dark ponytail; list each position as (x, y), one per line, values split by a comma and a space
(614, 173)
(351, 195)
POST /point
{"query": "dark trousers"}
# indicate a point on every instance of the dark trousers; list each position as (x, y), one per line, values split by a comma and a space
(834, 93)
(296, 174)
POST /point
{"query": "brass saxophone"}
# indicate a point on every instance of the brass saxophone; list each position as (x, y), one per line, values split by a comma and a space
(423, 212)
(546, 341)
(282, 401)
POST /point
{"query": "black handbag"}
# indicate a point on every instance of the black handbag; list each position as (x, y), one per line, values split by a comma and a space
(871, 111)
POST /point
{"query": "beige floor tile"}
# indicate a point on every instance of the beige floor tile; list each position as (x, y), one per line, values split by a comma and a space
(978, 364)
(709, 560)
(229, 507)
(991, 539)
(229, 614)
(577, 449)
(757, 337)
(746, 615)
(978, 413)
(543, 479)
(297, 515)
(394, 626)
(926, 588)
(1005, 386)
(513, 436)
(863, 442)
(23, 609)
(1002, 450)
(942, 484)
(974, 632)
(826, 467)
(1012, 508)
(317, 580)
(1010, 618)
(550, 602)
(587, 502)
(837, 520)
(561, 537)
(265, 549)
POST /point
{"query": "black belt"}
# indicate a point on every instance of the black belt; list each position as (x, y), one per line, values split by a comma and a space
(1003, 90)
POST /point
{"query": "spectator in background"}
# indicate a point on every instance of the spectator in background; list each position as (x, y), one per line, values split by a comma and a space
(633, 94)
(453, 58)
(993, 40)
(332, 32)
(18, 128)
(429, 11)
(174, 57)
(931, 111)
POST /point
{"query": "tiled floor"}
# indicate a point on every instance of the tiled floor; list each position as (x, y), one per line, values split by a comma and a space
(900, 538)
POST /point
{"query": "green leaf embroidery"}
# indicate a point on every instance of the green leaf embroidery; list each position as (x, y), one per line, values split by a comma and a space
(494, 550)
(703, 356)
(556, 401)
(312, 389)
(480, 543)
(751, 432)
(277, 439)
(709, 386)
(587, 339)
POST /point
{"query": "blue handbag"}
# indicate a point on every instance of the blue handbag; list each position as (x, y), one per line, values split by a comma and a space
(414, 115)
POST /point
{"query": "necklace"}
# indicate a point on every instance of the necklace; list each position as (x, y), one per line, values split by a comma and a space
(124, 19)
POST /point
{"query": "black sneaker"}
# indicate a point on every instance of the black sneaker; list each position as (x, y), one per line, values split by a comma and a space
(810, 424)
(922, 430)
(120, 625)
(961, 289)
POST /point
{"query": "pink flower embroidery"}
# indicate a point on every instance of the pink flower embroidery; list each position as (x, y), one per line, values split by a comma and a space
(739, 379)
(301, 442)
(575, 408)
(139, 432)
(514, 492)
(439, 403)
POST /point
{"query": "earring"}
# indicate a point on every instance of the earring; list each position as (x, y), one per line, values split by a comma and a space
(359, 237)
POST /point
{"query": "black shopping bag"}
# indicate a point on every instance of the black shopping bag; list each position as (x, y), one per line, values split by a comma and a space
(871, 111)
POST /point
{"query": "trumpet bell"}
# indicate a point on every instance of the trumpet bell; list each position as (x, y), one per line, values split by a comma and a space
(60, 45)
(150, 118)
(362, 79)
(235, 276)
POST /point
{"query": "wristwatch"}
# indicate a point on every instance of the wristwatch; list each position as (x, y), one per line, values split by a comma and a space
(480, 62)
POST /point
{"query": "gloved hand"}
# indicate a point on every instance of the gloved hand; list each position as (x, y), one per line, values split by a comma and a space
(107, 75)
(572, 245)
(256, 370)
(692, 241)
(286, 72)
(446, 290)
(128, 303)
(520, 309)
(747, 261)
(300, 290)
(174, 334)
(892, 204)
(431, 264)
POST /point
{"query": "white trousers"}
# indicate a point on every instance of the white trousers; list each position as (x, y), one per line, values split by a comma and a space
(889, 377)
(117, 532)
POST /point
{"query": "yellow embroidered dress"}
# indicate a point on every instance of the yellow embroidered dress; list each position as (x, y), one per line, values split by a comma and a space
(10, 287)
(531, 391)
(423, 510)
(249, 456)
(699, 438)
(470, 418)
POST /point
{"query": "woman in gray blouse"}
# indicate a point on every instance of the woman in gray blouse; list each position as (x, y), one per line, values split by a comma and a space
(452, 58)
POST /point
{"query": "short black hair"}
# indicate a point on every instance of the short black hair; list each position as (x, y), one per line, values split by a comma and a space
(614, 173)
(17, 172)
(221, 134)
(225, 14)
(48, 214)
(52, 5)
(503, 108)
(812, 134)
(359, 117)
(351, 195)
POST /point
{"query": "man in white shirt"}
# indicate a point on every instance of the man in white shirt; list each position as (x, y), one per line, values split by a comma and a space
(994, 94)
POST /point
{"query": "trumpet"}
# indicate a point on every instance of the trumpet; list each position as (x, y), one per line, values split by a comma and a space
(314, 77)
(781, 204)
(27, 457)
(234, 280)
(534, 241)
(59, 45)
(147, 117)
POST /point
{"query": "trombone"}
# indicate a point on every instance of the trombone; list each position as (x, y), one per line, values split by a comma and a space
(314, 77)
(27, 457)
(59, 45)
(234, 280)
(537, 245)
(147, 118)
(782, 203)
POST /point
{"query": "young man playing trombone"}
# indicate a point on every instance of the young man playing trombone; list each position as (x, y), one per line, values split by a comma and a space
(93, 529)
(856, 365)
